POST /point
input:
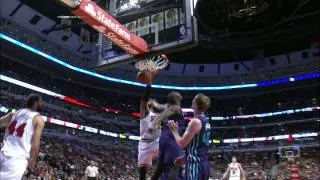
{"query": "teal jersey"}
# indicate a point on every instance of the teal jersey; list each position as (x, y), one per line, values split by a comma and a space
(197, 165)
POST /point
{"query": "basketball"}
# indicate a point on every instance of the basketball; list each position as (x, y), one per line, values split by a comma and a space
(145, 76)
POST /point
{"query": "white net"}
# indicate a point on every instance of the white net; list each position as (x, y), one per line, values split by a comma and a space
(153, 64)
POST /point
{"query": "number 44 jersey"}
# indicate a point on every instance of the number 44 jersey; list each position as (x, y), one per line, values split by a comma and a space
(18, 136)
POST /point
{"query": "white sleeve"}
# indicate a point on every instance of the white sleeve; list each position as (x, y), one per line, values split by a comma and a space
(87, 169)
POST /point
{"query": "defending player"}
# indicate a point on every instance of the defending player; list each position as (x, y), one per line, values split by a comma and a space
(171, 155)
(23, 134)
(234, 170)
(195, 140)
(149, 143)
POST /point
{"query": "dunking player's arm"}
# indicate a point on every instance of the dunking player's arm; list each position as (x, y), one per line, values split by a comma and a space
(193, 128)
(38, 124)
(144, 103)
(147, 103)
(5, 120)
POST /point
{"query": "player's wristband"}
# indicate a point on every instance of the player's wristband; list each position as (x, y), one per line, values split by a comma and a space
(147, 93)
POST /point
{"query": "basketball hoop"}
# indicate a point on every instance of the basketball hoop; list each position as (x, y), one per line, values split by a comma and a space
(153, 64)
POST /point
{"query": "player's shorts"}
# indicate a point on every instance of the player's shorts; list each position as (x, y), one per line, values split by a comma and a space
(170, 151)
(12, 168)
(147, 152)
(197, 171)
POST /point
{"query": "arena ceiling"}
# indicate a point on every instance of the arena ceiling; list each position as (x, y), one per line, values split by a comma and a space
(229, 30)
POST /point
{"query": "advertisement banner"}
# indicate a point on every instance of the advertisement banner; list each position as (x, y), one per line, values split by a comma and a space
(104, 23)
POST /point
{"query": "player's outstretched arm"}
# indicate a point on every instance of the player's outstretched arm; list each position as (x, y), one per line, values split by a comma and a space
(193, 128)
(35, 146)
(226, 173)
(5, 120)
(144, 102)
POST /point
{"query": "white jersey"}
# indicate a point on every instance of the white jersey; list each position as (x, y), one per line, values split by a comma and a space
(145, 134)
(18, 136)
(234, 170)
(92, 171)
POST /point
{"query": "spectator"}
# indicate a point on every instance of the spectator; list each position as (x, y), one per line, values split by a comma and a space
(92, 172)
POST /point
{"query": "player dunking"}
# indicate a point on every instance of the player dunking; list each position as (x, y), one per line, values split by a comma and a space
(234, 170)
(170, 155)
(23, 134)
(149, 134)
(149, 143)
(195, 140)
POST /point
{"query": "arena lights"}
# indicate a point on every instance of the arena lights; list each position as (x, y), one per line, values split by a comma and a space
(290, 79)
(304, 135)
(132, 137)
(4, 109)
(207, 88)
(121, 136)
(50, 93)
(188, 113)
(29, 86)
(269, 138)
(216, 141)
(308, 109)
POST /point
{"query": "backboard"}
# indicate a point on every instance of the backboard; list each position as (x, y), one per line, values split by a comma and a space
(289, 151)
(166, 25)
